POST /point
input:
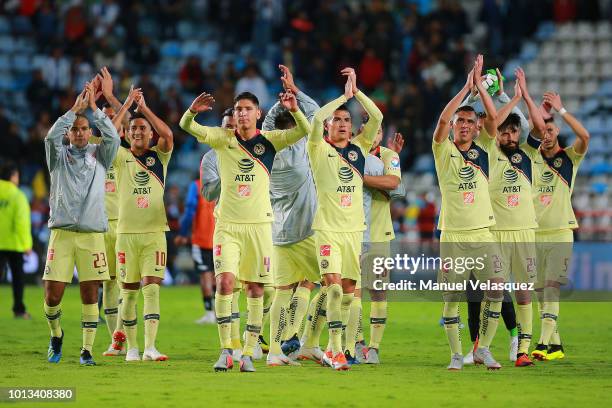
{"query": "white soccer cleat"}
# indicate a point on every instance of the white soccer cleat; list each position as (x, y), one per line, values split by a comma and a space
(275, 360)
(152, 354)
(113, 352)
(208, 318)
(372, 356)
(294, 355)
(310, 353)
(327, 359)
(514, 343)
(483, 355)
(361, 351)
(132, 355)
(469, 358)
(257, 352)
(237, 354)
(456, 362)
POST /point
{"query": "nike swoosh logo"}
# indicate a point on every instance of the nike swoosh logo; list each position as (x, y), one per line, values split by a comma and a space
(500, 159)
(158, 270)
(331, 155)
(129, 161)
(100, 273)
(454, 155)
(229, 147)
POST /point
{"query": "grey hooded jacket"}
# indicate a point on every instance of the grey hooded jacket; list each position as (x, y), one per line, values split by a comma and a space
(78, 175)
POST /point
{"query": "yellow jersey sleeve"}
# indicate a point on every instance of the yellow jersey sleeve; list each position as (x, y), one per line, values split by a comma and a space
(283, 138)
(212, 136)
(381, 225)
(366, 138)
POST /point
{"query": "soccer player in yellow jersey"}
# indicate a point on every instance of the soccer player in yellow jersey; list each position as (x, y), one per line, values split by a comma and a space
(553, 181)
(337, 165)
(242, 242)
(510, 188)
(141, 239)
(462, 167)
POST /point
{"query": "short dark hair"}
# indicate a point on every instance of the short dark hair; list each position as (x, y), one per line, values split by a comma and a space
(549, 120)
(81, 116)
(137, 115)
(343, 107)
(365, 118)
(466, 108)
(228, 112)
(512, 121)
(284, 121)
(7, 169)
(247, 95)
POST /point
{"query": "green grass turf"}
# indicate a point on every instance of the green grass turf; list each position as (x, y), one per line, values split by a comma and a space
(414, 355)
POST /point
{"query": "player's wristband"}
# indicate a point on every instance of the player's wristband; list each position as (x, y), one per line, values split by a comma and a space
(562, 111)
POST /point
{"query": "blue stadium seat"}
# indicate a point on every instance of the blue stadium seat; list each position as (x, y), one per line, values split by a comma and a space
(5, 25)
(171, 49)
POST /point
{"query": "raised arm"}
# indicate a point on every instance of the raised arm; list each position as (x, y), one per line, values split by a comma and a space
(107, 149)
(123, 112)
(581, 143)
(443, 127)
(283, 138)
(539, 127)
(166, 138)
(213, 136)
(510, 105)
(487, 102)
(318, 121)
(53, 140)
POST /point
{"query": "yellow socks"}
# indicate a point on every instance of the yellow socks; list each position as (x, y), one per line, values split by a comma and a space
(223, 311)
(253, 327)
(53, 314)
(378, 321)
(524, 316)
(236, 344)
(489, 320)
(110, 304)
(352, 325)
(150, 294)
(277, 318)
(300, 299)
(451, 325)
(89, 324)
(334, 317)
(128, 316)
(317, 317)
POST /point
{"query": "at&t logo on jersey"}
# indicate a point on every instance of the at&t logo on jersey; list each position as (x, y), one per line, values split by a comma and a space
(141, 179)
(467, 174)
(511, 176)
(245, 166)
(345, 174)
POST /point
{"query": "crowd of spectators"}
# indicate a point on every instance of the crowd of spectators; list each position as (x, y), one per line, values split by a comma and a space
(410, 55)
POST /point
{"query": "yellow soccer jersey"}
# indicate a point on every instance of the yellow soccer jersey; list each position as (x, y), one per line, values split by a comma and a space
(381, 226)
(464, 184)
(510, 188)
(245, 166)
(553, 184)
(140, 183)
(111, 196)
(338, 172)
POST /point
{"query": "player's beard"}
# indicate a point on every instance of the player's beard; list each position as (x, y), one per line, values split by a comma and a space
(510, 148)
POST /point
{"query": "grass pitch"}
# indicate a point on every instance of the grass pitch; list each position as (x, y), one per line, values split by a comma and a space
(414, 354)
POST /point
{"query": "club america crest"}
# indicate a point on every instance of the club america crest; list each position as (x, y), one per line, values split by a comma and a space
(352, 156)
(558, 162)
(259, 149)
(516, 158)
(472, 154)
(150, 161)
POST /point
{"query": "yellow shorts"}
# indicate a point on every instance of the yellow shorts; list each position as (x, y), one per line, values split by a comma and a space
(554, 253)
(140, 255)
(296, 262)
(339, 252)
(245, 250)
(465, 252)
(110, 241)
(371, 251)
(518, 254)
(83, 249)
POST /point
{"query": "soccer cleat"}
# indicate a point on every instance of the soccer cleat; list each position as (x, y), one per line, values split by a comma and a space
(522, 360)
(540, 352)
(263, 345)
(514, 343)
(326, 359)
(310, 353)
(54, 354)
(246, 365)
(237, 354)
(456, 362)
(208, 318)
(86, 358)
(23, 316)
(225, 361)
(468, 359)
(275, 360)
(350, 359)
(291, 345)
(152, 354)
(372, 356)
(483, 355)
(119, 340)
(132, 355)
(339, 362)
(294, 355)
(361, 351)
(555, 352)
(257, 352)
(113, 352)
